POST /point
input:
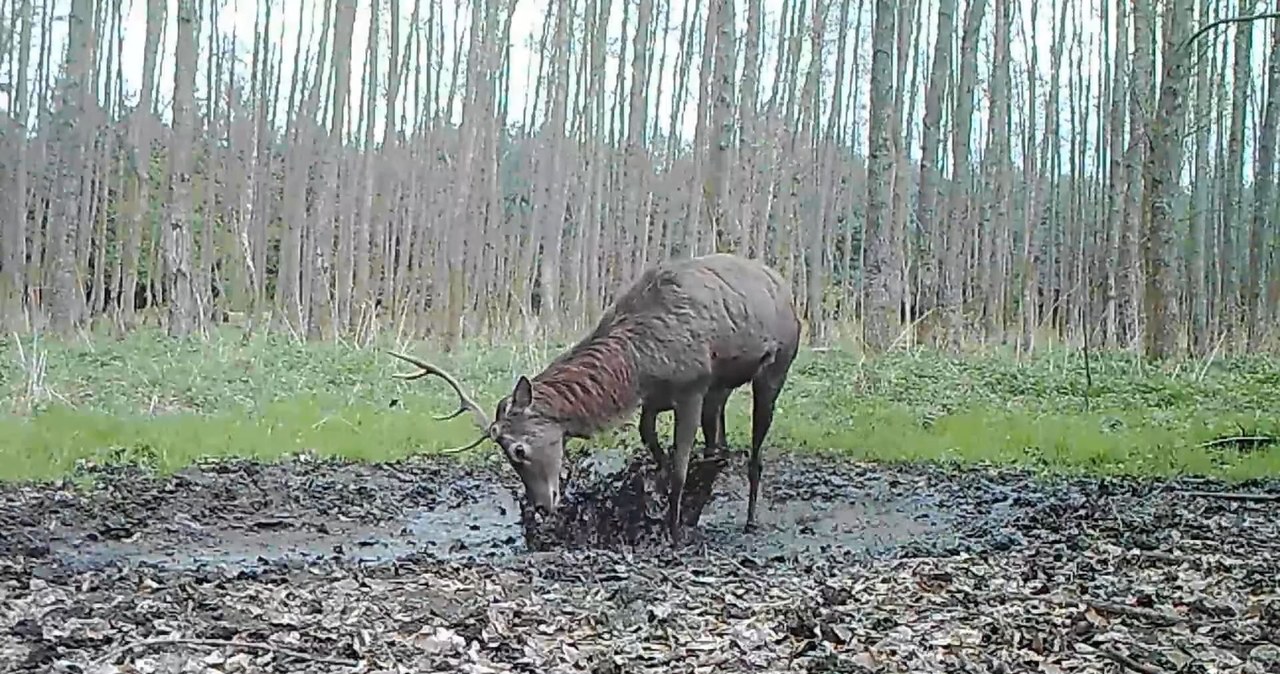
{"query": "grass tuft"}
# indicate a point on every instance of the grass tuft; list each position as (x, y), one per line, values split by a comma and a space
(165, 403)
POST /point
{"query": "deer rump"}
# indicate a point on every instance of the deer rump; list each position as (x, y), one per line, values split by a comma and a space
(700, 328)
(718, 321)
(681, 338)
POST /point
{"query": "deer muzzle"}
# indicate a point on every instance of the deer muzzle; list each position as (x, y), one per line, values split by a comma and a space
(543, 494)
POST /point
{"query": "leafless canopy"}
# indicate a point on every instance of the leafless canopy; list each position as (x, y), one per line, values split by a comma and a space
(465, 403)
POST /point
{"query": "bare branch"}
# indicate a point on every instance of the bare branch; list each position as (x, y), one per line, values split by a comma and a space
(1226, 21)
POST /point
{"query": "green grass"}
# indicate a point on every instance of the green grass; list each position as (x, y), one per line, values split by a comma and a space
(167, 402)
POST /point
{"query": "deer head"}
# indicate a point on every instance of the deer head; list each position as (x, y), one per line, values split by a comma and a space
(533, 442)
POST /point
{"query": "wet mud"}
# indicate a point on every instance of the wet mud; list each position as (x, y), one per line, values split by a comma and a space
(432, 565)
(239, 514)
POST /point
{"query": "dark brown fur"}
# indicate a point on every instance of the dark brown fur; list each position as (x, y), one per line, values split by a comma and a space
(591, 385)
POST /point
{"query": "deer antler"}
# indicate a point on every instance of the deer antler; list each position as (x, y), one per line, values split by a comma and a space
(465, 403)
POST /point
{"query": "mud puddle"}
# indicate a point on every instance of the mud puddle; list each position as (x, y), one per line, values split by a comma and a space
(240, 515)
(442, 531)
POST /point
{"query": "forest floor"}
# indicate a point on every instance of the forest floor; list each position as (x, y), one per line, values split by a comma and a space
(268, 507)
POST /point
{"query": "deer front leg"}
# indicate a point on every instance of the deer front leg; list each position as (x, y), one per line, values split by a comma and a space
(649, 434)
(713, 420)
(688, 413)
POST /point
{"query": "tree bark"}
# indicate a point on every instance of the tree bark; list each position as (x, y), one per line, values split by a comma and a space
(184, 315)
(880, 316)
(1160, 188)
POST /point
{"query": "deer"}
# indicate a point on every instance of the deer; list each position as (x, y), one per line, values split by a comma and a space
(681, 338)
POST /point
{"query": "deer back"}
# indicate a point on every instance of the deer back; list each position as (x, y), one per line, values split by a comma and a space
(696, 317)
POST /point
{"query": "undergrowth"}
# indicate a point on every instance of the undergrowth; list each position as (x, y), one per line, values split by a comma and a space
(162, 402)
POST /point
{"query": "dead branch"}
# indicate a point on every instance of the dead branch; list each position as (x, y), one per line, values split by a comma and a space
(1254, 440)
(1128, 662)
(220, 643)
(1247, 497)
(1228, 20)
(1163, 617)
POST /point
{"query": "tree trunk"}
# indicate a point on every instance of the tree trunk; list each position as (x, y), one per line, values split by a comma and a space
(184, 315)
(881, 277)
(1264, 195)
(1160, 188)
(931, 141)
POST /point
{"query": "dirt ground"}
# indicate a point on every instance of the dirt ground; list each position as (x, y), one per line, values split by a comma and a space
(323, 566)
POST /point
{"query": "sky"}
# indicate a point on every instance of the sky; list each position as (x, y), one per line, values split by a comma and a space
(237, 17)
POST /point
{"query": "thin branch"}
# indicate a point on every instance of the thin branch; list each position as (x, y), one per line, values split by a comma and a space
(1129, 663)
(1152, 615)
(1255, 440)
(1234, 496)
(218, 643)
(1225, 21)
(1162, 618)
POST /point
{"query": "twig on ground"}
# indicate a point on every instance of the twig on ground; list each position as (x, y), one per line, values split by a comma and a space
(250, 645)
(1255, 440)
(1128, 662)
(1248, 497)
(1154, 615)
(1162, 617)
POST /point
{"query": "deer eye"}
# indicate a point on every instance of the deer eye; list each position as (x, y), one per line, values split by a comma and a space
(520, 451)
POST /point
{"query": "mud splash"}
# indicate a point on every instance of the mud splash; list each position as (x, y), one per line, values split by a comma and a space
(606, 508)
(616, 500)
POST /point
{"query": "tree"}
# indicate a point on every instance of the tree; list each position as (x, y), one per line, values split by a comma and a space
(930, 144)
(1160, 186)
(184, 316)
(881, 278)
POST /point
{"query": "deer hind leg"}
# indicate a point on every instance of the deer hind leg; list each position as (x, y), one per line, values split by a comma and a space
(688, 409)
(713, 420)
(720, 441)
(649, 434)
(764, 396)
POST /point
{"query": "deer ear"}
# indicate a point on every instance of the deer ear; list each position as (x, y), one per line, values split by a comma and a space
(522, 397)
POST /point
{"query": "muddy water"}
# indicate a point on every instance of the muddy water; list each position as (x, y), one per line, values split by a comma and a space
(444, 531)
(241, 516)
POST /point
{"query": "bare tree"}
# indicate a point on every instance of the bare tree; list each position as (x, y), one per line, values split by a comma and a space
(71, 157)
(1160, 186)
(994, 230)
(958, 229)
(931, 141)
(184, 315)
(881, 314)
(14, 247)
(1233, 185)
(1264, 211)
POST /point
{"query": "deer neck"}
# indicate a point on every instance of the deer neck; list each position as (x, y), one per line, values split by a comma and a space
(591, 388)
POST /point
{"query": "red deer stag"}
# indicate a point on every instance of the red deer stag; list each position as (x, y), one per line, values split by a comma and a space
(681, 338)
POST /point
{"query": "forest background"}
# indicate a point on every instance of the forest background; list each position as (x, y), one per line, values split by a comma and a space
(276, 186)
